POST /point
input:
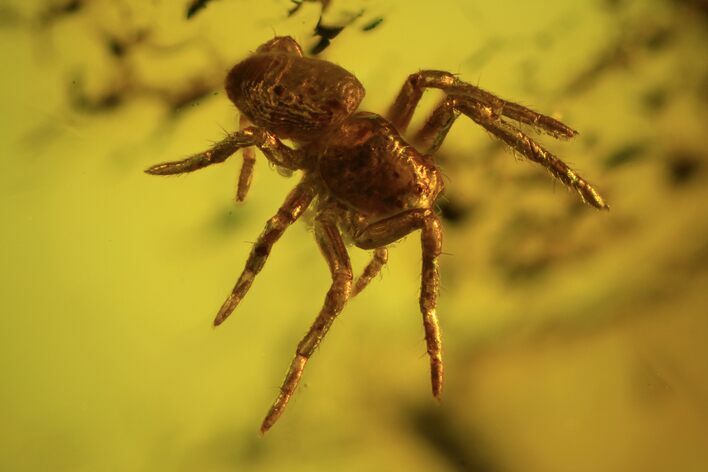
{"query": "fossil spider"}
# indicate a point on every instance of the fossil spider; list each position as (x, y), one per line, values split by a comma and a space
(367, 185)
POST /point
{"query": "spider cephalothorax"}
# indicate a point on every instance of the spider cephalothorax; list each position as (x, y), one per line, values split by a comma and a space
(370, 187)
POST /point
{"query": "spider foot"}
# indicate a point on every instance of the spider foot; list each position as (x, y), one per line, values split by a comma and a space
(228, 307)
(286, 391)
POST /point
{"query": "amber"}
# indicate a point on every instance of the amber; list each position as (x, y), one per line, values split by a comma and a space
(366, 184)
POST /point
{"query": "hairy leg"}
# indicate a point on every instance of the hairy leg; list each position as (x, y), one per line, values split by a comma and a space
(371, 270)
(332, 247)
(276, 152)
(533, 151)
(294, 205)
(489, 111)
(391, 229)
(401, 111)
(434, 130)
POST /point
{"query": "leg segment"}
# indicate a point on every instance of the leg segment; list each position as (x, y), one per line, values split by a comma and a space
(401, 111)
(295, 203)
(276, 152)
(246, 175)
(371, 270)
(431, 242)
(394, 228)
(332, 248)
(249, 160)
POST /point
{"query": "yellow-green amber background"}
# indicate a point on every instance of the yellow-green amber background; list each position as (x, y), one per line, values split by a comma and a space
(575, 340)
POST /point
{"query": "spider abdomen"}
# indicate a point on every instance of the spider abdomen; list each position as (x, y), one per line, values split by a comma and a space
(367, 165)
(295, 97)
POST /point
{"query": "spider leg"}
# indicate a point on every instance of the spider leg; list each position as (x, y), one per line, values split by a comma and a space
(434, 130)
(276, 152)
(249, 160)
(332, 247)
(401, 111)
(391, 229)
(371, 270)
(533, 151)
(294, 205)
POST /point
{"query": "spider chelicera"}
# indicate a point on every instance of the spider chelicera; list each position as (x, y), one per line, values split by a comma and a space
(366, 184)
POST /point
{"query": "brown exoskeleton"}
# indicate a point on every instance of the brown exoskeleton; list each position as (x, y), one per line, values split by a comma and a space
(369, 186)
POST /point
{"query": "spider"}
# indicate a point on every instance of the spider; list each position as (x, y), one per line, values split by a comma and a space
(366, 185)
